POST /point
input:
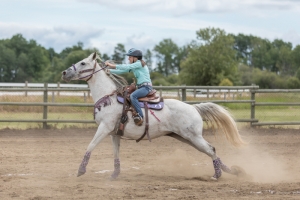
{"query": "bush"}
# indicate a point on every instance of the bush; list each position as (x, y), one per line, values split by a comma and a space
(160, 81)
(293, 83)
(226, 82)
(268, 80)
(173, 79)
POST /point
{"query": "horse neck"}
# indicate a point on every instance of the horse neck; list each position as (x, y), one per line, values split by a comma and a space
(100, 85)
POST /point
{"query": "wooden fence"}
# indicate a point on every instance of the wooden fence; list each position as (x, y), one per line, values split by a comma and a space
(182, 92)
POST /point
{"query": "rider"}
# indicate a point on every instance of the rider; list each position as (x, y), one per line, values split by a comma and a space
(141, 73)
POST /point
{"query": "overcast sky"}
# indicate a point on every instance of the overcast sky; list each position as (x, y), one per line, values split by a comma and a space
(144, 23)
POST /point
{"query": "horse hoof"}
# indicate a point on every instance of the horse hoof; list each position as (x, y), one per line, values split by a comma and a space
(80, 173)
(213, 178)
(114, 175)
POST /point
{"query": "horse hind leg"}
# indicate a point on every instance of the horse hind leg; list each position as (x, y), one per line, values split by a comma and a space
(219, 167)
(202, 145)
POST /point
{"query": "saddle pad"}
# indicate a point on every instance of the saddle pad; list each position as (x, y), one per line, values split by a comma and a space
(154, 106)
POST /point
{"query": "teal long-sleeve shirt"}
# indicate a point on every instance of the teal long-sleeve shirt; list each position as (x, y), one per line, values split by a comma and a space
(141, 73)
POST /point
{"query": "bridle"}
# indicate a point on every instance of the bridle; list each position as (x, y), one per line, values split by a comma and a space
(88, 70)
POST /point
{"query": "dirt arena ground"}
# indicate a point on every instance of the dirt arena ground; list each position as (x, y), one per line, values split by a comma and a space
(42, 164)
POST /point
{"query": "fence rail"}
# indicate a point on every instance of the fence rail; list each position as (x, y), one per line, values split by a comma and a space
(182, 93)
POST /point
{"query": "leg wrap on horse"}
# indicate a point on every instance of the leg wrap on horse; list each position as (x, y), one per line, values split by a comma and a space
(117, 169)
(85, 161)
(217, 166)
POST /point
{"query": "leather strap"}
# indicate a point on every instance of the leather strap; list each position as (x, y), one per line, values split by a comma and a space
(124, 117)
(147, 125)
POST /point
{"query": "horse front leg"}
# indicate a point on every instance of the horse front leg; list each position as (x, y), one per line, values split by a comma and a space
(101, 133)
(116, 145)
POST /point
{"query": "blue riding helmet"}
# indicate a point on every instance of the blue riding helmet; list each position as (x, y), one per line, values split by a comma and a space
(134, 52)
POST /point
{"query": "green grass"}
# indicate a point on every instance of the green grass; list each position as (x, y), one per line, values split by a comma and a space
(38, 116)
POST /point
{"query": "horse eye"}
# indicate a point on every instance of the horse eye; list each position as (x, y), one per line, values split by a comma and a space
(83, 63)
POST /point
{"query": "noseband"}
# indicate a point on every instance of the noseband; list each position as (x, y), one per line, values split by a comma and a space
(88, 70)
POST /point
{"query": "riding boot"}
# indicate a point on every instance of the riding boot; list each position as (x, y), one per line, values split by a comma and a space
(138, 120)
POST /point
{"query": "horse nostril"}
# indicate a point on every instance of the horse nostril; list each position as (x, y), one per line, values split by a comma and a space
(64, 73)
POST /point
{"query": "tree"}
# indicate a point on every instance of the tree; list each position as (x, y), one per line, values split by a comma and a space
(148, 59)
(166, 53)
(261, 54)
(181, 55)
(64, 53)
(119, 53)
(7, 63)
(29, 59)
(295, 56)
(211, 60)
(18, 44)
(20, 69)
(37, 61)
(105, 57)
(244, 45)
(281, 57)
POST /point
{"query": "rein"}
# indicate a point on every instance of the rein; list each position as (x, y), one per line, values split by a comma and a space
(88, 70)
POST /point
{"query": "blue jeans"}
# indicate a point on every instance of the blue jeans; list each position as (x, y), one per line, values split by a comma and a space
(138, 93)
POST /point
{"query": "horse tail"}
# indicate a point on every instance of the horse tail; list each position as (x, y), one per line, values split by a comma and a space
(216, 114)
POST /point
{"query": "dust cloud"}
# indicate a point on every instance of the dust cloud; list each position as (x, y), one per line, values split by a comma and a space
(255, 159)
(261, 165)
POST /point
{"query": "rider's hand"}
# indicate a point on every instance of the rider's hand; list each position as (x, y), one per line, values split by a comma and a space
(112, 66)
(107, 71)
(106, 63)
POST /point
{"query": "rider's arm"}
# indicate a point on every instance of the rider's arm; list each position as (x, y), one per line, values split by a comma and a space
(117, 71)
(129, 66)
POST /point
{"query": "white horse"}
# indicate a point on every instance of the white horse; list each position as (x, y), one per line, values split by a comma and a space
(177, 119)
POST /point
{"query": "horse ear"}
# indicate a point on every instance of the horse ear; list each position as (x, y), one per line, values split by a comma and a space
(91, 57)
(95, 56)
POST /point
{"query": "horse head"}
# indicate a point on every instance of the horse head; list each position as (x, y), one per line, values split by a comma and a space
(82, 70)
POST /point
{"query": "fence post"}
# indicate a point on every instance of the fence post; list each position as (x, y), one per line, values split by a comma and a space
(26, 86)
(53, 96)
(160, 91)
(183, 90)
(45, 112)
(58, 87)
(252, 105)
(207, 94)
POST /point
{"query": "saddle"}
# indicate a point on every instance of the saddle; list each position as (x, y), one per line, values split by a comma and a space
(150, 97)
(151, 101)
